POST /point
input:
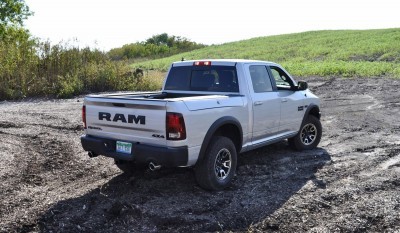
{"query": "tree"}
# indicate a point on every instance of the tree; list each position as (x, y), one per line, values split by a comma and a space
(12, 14)
(160, 39)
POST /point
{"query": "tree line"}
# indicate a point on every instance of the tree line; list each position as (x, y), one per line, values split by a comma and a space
(157, 46)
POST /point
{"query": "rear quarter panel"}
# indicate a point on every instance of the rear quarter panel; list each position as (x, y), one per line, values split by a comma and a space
(200, 115)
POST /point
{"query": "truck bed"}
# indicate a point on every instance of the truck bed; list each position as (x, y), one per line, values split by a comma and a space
(146, 95)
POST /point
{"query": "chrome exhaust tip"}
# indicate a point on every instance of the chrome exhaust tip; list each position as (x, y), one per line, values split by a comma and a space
(154, 167)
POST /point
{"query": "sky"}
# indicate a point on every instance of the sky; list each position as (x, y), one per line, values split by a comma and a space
(106, 24)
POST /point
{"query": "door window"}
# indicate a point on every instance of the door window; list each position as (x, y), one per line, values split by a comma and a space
(260, 78)
(282, 80)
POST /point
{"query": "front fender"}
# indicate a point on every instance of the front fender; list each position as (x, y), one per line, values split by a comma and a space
(312, 109)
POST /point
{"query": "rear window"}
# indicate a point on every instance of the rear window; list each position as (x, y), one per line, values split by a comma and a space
(203, 78)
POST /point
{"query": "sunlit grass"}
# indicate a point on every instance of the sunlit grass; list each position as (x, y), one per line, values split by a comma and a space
(347, 53)
(152, 80)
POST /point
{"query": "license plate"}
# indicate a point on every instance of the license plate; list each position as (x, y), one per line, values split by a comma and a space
(124, 147)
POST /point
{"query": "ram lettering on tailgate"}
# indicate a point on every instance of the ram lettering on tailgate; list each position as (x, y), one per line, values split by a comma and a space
(121, 117)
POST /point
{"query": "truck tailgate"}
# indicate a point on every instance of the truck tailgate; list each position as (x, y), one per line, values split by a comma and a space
(131, 120)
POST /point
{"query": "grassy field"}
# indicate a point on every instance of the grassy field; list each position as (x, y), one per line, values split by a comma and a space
(347, 53)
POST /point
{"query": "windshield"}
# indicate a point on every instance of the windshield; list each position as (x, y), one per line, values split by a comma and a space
(203, 78)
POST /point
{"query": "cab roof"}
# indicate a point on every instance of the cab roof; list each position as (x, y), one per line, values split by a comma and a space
(221, 62)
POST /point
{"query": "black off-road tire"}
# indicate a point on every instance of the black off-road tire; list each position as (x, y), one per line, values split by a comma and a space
(309, 135)
(217, 169)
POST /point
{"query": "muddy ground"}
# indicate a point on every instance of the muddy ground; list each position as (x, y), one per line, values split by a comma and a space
(351, 183)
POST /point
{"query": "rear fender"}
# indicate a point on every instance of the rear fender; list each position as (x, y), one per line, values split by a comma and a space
(214, 128)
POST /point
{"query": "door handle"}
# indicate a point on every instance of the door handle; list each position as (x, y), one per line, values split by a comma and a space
(258, 103)
(284, 100)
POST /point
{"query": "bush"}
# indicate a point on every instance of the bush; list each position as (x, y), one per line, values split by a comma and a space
(158, 46)
(68, 86)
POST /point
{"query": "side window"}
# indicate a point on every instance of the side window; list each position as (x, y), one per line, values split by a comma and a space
(260, 78)
(281, 78)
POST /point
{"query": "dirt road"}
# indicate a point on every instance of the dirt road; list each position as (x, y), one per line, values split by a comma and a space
(350, 183)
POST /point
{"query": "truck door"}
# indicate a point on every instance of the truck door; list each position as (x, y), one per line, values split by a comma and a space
(292, 106)
(266, 103)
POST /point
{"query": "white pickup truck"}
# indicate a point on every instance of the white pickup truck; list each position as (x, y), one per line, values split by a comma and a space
(207, 112)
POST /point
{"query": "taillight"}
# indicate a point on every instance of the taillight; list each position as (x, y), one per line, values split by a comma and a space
(175, 126)
(84, 116)
(202, 63)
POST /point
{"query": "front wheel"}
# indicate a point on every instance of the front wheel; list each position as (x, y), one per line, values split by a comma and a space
(309, 135)
(218, 167)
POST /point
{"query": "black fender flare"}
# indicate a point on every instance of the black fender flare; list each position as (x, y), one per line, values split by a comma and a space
(213, 129)
(310, 108)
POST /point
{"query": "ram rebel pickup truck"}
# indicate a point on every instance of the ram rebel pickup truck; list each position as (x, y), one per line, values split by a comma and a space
(207, 112)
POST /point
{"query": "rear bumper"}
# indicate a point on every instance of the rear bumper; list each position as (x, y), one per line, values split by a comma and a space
(165, 156)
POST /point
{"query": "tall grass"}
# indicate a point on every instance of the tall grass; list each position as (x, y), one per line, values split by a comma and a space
(150, 81)
(32, 68)
(348, 53)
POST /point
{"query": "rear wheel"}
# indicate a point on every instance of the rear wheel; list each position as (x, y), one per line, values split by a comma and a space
(309, 135)
(218, 167)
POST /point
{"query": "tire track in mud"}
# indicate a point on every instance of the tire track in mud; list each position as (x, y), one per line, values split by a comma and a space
(50, 153)
(42, 155)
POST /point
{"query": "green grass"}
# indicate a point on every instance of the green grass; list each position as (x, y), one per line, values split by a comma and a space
(347, 53)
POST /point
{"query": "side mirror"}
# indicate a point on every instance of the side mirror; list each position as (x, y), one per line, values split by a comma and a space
(302, 85)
